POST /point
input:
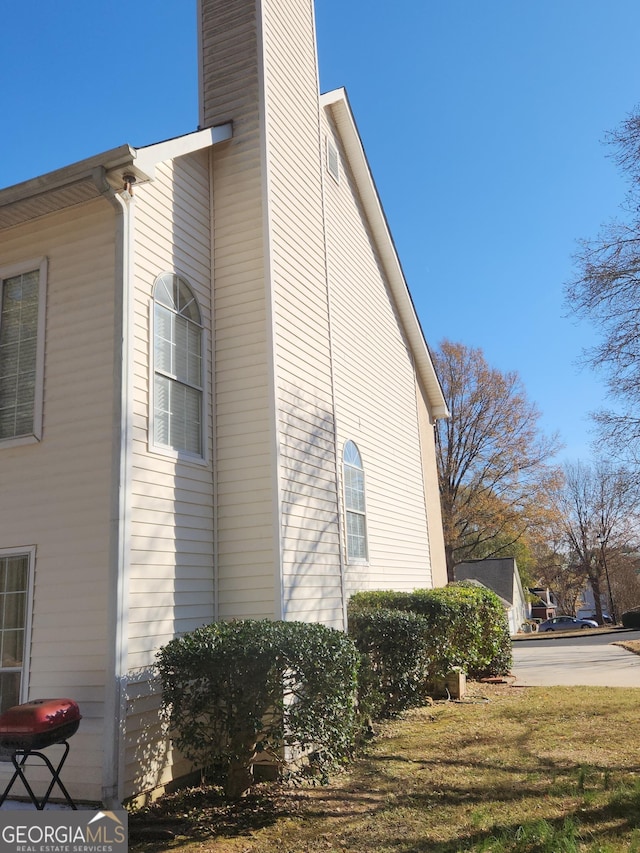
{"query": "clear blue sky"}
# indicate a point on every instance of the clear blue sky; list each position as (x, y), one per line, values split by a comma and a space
(483, 123)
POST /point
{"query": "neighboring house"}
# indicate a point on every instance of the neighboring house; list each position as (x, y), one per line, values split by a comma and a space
(586, 604)
(502, 576)
(543, 606)
(216, 401)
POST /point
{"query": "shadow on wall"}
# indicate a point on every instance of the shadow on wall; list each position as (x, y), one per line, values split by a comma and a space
(312, 558)
(147, 743)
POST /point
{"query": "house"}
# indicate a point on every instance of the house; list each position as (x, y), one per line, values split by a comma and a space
(586, 604)
(502, 576)
(216, 400)
(542, 605)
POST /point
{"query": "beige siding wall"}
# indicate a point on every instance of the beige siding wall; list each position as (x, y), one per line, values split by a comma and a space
(248, 551)
(310, 535)
(171, 574)
(56, 494)
(432, 489)
(376, 401)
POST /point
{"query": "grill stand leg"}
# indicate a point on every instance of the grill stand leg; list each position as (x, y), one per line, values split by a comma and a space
(55, 776)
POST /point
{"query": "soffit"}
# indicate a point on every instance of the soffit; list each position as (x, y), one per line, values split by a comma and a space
(89, 179)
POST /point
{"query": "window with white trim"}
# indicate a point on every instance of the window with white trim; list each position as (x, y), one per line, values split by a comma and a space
(15, 599)
(178, 367)
(354, 503)
(21, 351)
(333, 160)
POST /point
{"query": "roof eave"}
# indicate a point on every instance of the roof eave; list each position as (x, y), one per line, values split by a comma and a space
(85, 179)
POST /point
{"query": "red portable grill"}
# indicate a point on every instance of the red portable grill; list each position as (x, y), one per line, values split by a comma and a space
(26, 729)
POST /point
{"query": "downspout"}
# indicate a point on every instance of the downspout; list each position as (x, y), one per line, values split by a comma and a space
(115, 709)
(213, 386)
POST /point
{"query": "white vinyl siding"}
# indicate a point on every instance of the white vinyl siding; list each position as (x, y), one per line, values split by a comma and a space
(171, 526)
(308, 462)
(431, 489)
(56, 493)
(375, 394)
(245, 472)
(22, 297)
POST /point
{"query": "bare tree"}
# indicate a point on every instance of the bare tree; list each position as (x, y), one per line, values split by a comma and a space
(493, 462)
(554, 570)
(598, 505)
(623, 566)
(606, 290)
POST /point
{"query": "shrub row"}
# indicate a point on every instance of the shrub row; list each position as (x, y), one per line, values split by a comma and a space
(410, 639)
(237, 692)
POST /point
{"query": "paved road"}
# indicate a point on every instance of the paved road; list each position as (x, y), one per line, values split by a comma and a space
(587, 659)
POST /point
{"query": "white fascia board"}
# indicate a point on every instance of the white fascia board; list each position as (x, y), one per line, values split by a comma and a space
(338, 105)
(140, 162)
(146, 159)
(75, 173)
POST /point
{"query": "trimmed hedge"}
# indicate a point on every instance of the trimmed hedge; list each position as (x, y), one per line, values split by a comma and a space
(395, 660)
(235, 690)
(631, 619)
(409, 639)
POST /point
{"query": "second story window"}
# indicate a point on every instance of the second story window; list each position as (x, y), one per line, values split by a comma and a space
(178, 368)
(21, 352)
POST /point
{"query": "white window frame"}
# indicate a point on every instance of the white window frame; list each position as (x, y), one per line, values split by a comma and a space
(333, 155)
(154, 446)
(28, 551)
(358, 559)
(39, 264)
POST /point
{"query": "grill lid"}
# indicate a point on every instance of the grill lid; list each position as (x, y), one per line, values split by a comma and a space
(39, 717)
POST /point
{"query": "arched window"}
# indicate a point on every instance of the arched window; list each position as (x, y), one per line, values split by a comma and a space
(178, 384)
(354, 503)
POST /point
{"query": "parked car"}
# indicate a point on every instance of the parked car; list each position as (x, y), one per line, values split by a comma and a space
(606, 619)
(566, 623)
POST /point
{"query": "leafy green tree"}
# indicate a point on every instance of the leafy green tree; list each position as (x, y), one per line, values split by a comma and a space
(494, 464)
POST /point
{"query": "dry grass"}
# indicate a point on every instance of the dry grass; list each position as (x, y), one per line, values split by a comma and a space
(630, 646)
(525, 770)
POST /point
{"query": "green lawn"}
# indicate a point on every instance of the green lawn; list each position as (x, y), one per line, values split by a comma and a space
(524, 770)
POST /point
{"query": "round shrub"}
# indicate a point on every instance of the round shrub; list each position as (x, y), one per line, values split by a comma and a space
(396, 658)
(237, 690)
(631, 619)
